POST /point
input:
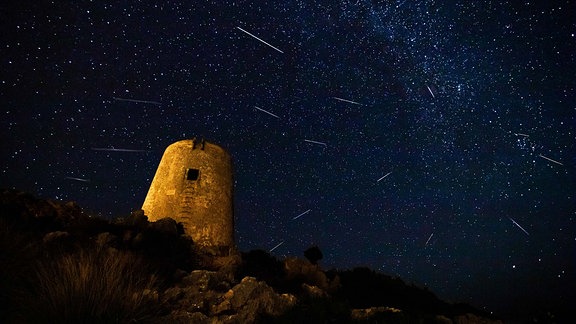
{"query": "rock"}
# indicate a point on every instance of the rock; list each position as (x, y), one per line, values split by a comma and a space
(290, 299)
(172, 295)
(473, 319)
(441, 319)
(201, 279)
(55, 237)
(184, 317)
(137, 219)
(196, 305)
(189, 299)
(199, 291)
(226, 264)
(252, 298)
(380, 315)
(314, 291)
(298, 269)
(166, 225)
(224, 308)
(208, 280)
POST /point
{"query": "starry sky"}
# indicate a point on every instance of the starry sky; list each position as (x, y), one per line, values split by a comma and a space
(429, 140)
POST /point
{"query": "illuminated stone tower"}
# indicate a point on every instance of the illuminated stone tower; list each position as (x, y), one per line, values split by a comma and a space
(193, 185)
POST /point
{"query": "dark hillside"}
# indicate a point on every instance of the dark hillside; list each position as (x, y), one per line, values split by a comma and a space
(60, 265)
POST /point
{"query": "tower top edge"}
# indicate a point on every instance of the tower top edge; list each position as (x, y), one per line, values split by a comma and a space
(196, 143)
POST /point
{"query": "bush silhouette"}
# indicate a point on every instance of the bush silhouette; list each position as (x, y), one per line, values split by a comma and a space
(95, 286)
(313, 254)
(261, 265)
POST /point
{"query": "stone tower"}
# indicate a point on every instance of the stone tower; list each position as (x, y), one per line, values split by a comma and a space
(193, 185)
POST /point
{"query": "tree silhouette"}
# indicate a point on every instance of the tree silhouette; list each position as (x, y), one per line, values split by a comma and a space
(313, 254)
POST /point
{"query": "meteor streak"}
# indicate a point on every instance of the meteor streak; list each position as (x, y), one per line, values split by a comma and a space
(520, 227)
(138, 101)
(425, 245)
(78, 179)
(349, 101)
(315, 142)
(111, 149)
(387, 174)
(304, 213)
(549, 159)
(274, 248)
(430, 90)
(266, 111)
(260, 40)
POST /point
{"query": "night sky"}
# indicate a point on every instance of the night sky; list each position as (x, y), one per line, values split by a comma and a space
(429, 140)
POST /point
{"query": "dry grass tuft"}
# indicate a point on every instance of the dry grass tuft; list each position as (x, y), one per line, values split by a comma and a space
(96, 286)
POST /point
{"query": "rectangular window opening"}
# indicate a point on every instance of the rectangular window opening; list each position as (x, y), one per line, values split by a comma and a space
(192, 174)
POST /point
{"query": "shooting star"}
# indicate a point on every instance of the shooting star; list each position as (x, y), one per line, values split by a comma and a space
(430, 90)
(260, 40)
(520, 134)
(549, 159)
(304, 213)
(387, 174)
(78, 179)
(266, 111)
(138, 101)
(520, 227)
(274, 248)
(315, 142)
(348, 101)
(429, 238)
(111, 149)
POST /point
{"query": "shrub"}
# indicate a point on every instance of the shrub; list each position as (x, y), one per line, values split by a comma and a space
(313, 254)
(263, 266)
(95, 286)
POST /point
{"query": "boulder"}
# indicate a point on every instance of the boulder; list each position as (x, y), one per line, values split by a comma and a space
(166, 225)
(380, 315)
(441, 319)
(185, 317)
(303, 270)
(203, 280)
(172, 295)
(137, 219)
(313, 291)
(252, 298)
(198, 291)
(473, 319)
(55, 237)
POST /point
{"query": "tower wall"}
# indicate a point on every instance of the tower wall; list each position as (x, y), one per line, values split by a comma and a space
(194, 186)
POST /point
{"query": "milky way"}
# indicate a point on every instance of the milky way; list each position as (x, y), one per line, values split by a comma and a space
(426, 140)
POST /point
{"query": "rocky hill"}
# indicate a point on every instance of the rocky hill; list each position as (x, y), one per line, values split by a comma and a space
(60, 265)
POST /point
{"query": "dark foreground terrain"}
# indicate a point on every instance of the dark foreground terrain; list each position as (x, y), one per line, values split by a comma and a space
(59, 265)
